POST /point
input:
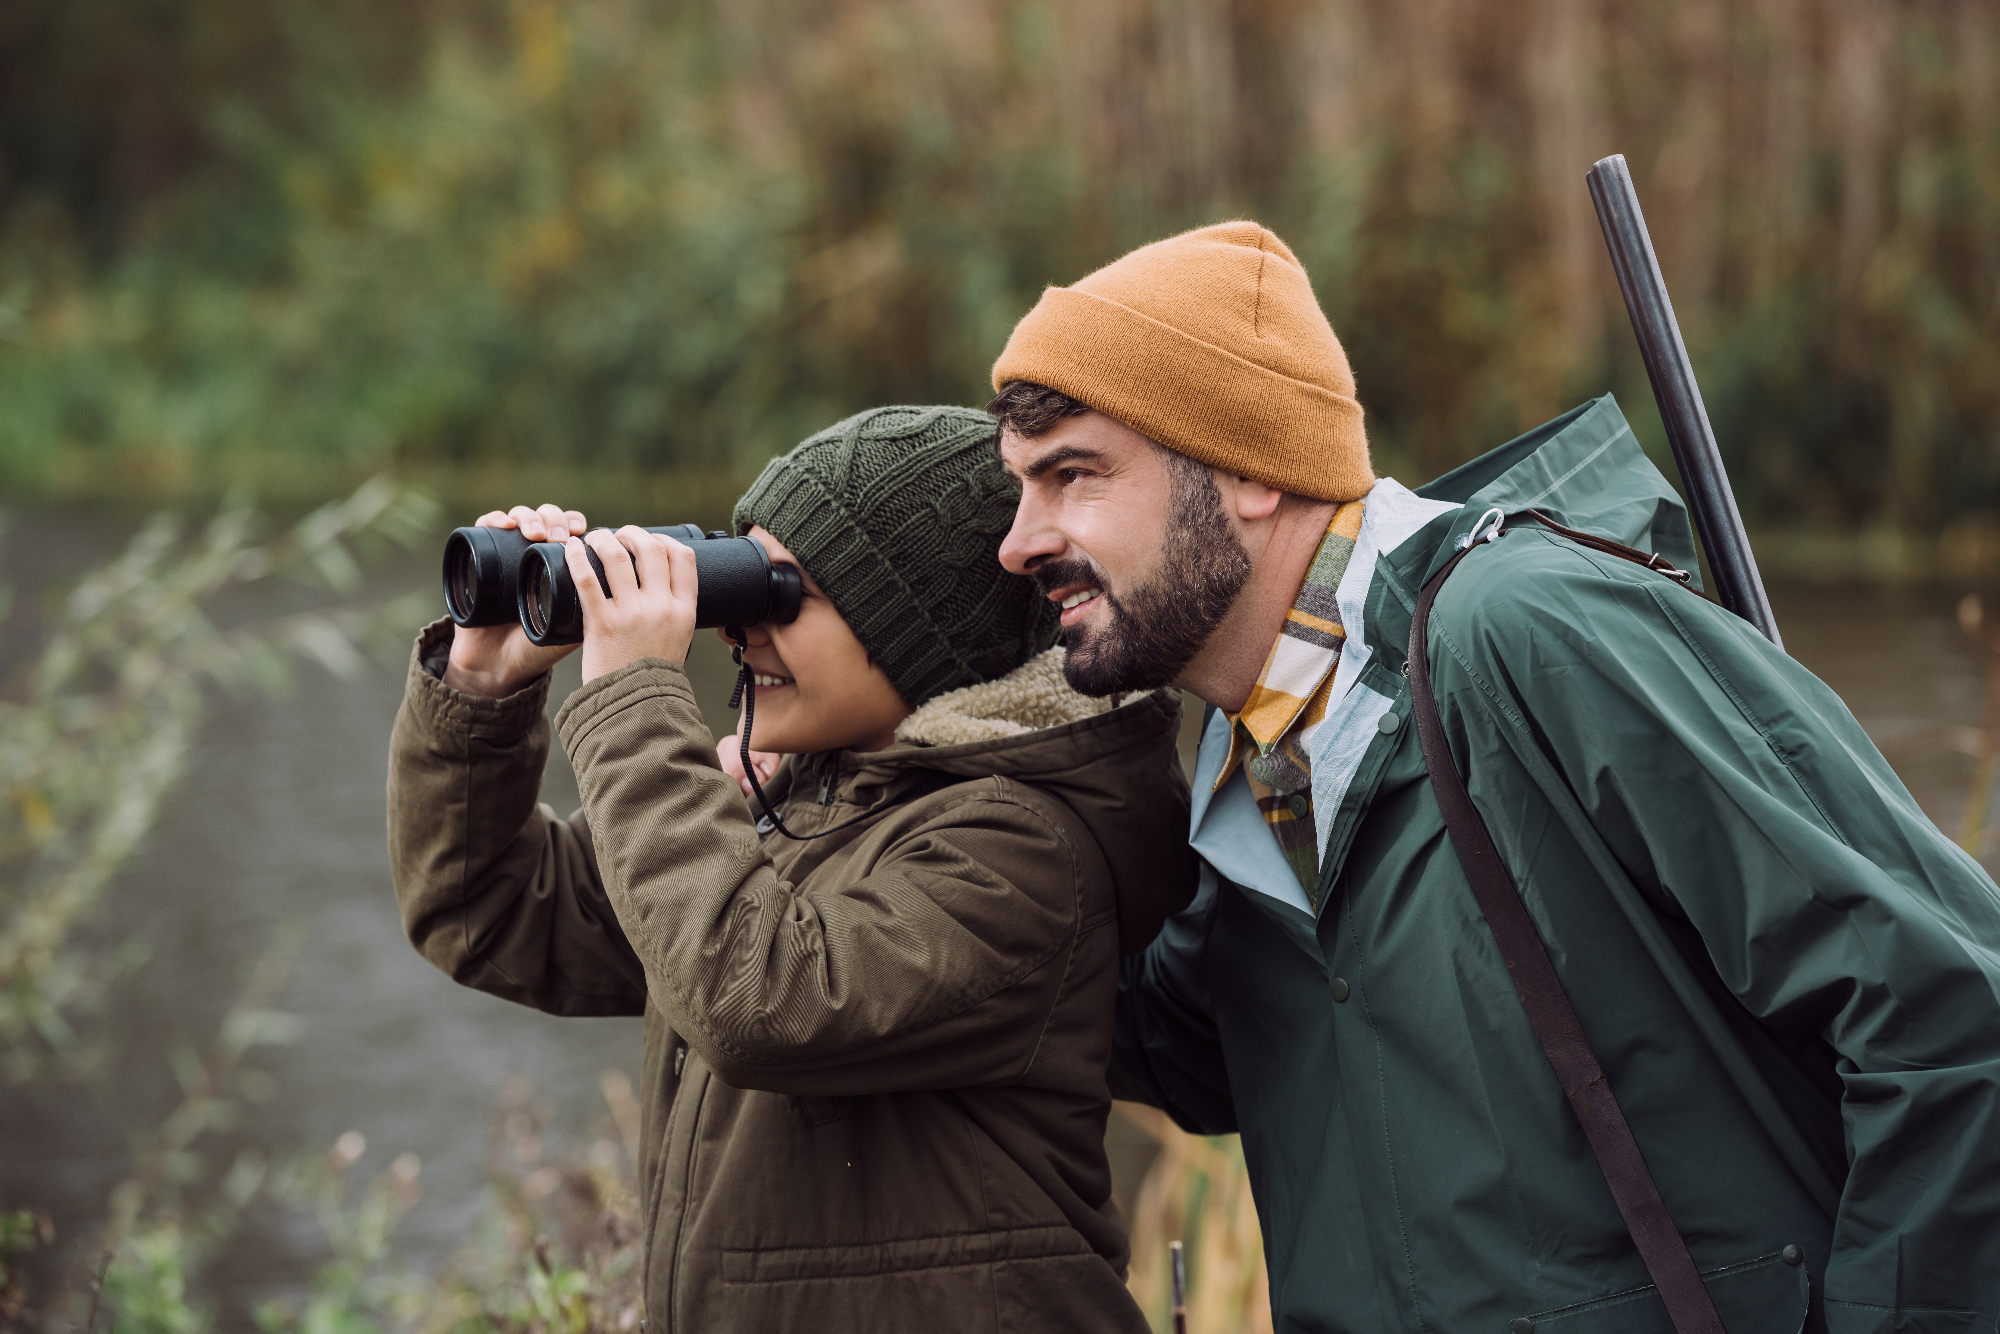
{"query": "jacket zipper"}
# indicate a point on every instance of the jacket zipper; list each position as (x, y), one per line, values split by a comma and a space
(665, 1308)
(826, 781)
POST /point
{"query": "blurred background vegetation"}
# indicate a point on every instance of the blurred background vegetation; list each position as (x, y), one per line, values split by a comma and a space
(633, 249)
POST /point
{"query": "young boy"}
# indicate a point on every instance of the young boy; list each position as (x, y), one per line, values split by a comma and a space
(874, 1087)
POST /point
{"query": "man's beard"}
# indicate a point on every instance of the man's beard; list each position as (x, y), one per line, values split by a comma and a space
(1154, 631)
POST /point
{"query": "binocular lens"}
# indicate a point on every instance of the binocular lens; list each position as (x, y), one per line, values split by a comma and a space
(538, 604)
(480, 569)
(461, 581)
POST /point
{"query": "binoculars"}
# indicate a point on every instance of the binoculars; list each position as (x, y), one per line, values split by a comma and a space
(494, 575)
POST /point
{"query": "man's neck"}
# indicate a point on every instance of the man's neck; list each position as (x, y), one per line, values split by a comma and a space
(1228, 665)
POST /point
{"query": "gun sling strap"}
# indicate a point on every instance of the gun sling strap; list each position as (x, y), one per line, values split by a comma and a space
(1555, 1023)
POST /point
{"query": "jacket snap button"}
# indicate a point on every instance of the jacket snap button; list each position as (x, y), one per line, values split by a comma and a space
(1792, 1255)
(680, 1060)
(1523, 1326)
(1390, 722)
(1301, 805)
(1338, 987)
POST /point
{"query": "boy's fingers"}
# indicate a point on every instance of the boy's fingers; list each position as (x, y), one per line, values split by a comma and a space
(588, 595)
(529, 521)
(617, 562)
(577, 524)
(731, 760)
(555, 522)
(685, 575)
(494, 519)
(648, 557)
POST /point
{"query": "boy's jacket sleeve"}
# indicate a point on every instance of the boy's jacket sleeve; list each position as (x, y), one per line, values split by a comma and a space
(495, 889)
(1737, 792)
(937, 964)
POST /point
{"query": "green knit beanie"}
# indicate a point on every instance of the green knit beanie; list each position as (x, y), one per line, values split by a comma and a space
(898, 514)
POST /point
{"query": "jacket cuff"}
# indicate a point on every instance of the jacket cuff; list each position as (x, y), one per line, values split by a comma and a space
(613, 692)
(445, 709)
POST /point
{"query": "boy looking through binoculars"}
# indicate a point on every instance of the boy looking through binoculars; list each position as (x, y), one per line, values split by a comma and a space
(878, 1020)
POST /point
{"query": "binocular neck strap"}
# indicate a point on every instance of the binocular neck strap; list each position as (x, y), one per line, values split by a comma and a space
(746, 692)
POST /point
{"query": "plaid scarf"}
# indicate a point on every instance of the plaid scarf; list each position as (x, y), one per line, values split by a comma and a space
(1275, 727)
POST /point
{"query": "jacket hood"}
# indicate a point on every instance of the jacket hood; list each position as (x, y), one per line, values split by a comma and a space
(1031, 698)
(1584, 469)
(1113, 761)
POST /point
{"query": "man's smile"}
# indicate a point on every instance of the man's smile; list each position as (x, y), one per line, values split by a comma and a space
(1073, 603)
(1070, 585)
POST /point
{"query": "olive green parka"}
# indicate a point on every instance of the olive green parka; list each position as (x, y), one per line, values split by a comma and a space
(874, 1090)
(1792, 980)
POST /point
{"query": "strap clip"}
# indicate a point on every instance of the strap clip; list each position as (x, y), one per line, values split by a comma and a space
(1476, 536)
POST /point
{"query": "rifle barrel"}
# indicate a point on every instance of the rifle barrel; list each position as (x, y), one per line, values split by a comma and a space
(1717, 522)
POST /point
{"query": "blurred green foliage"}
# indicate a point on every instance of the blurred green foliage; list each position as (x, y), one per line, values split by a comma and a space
(294, 242)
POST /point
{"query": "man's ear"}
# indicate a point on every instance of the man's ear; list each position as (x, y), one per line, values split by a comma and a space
(1252, 501)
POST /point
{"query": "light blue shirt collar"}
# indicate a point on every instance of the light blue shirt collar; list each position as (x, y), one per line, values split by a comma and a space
(1225, 827)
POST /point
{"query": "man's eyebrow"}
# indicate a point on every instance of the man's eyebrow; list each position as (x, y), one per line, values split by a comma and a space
(1055, 458)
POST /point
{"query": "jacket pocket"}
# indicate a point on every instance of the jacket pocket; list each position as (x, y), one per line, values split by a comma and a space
(816, 1112)
(1029, 1280)
(1761, 1296)
(875, 1259)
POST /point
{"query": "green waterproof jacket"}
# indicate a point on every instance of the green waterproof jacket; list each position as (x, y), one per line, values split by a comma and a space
(1791, 978)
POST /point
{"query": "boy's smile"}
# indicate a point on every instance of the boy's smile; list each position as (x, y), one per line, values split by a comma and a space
(817, 688)
(767, 670)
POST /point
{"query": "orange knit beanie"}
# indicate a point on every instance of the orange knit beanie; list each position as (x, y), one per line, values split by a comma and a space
(1212, 344)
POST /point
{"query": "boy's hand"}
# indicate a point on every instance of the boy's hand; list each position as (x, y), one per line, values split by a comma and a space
(650, 613)
(729, 754)
(497, 660)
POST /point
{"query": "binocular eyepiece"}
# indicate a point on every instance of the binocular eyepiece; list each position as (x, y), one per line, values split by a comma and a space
(493, 576)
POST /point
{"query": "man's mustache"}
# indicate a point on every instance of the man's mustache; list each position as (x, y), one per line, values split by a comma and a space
(1057, 574)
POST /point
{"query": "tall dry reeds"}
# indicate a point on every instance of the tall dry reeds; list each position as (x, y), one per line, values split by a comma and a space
(1822, 178)
(599, 234)
(1197, 1192)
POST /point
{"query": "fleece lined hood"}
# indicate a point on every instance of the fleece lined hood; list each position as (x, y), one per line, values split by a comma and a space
(1030, 698)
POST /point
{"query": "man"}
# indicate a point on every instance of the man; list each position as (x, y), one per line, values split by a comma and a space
(1790, 978)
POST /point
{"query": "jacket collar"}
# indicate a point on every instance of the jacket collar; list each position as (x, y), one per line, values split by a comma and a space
(1303, 656)
(1241, 848)
(1584, 468)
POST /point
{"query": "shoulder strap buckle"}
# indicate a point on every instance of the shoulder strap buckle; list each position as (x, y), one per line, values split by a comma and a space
(1480, 533)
